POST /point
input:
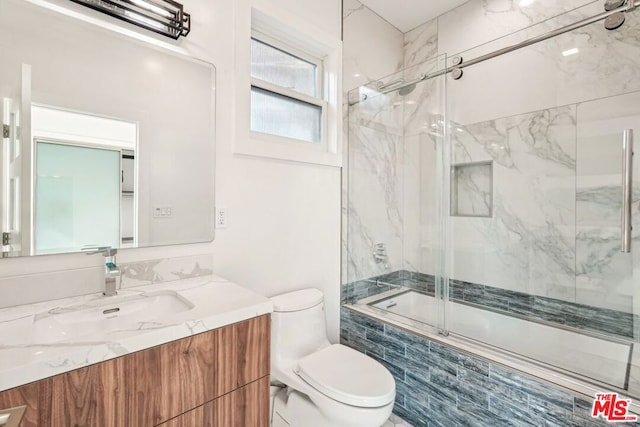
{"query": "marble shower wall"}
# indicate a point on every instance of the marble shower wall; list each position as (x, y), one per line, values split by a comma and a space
(546, 237)
(423, 120)
(374, 202)
(525, 112)
(549, 236)
(605, 276)
(372, 178)
(372, 47)
(527, 245)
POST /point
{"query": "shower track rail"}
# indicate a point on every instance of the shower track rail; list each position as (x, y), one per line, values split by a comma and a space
(628, 7)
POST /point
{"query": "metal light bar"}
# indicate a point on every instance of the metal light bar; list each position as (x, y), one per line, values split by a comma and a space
(164, 17)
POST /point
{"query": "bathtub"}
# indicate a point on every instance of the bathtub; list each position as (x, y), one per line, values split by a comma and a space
(581, 354)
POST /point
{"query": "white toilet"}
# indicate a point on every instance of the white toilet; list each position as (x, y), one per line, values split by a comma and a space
(326, 385)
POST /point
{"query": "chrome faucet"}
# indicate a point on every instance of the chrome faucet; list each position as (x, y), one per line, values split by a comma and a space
(111, 271)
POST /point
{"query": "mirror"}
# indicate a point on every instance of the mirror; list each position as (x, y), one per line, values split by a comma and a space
(107, 140)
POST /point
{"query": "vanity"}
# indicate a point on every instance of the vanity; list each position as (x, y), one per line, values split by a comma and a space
(108, 142)
(147, 364)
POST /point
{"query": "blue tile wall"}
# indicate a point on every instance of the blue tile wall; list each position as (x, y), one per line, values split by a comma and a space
(535, 308)
(439, 386)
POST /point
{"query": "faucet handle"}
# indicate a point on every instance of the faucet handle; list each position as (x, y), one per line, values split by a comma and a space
(107, 251)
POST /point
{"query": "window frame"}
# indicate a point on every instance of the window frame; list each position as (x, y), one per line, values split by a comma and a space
(278, 22)
(319, 100)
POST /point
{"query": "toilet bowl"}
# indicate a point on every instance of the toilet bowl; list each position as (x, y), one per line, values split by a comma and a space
(326, 385)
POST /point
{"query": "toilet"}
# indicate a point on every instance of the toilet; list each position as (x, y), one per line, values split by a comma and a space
(322, 384)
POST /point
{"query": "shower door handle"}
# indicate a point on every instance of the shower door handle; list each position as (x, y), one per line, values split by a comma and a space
(627, 189)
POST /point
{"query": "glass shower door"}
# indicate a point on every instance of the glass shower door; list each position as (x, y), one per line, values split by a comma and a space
(396, 146)
(605, 273)
(536, 203)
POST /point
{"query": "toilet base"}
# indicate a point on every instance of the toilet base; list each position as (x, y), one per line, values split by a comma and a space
(294, 409)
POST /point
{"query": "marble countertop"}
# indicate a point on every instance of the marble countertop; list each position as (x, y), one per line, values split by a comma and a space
(28, 353)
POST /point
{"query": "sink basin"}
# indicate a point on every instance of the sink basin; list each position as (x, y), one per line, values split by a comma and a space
(107, 314)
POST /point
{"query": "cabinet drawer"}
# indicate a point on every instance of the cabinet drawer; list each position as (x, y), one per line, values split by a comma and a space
(149, 387)
(247, 406)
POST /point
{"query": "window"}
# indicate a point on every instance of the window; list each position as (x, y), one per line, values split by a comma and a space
(290, 97)
(286, 92)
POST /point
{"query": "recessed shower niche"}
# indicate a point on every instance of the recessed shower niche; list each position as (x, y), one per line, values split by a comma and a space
(472, 189)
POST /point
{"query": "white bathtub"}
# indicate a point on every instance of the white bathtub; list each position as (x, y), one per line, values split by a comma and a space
(598, 358)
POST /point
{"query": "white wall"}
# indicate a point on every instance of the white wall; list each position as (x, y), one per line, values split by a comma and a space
(284, 217)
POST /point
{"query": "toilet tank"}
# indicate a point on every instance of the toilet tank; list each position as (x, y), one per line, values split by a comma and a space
(297, 325)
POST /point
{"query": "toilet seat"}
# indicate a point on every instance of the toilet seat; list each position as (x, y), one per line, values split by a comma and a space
(348, 376)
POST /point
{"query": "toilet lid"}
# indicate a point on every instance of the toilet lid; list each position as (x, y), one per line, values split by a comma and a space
(348, 376)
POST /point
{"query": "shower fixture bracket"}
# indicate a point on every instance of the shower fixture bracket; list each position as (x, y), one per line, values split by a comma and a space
(614, 21)
(612, 4)
(456, 71)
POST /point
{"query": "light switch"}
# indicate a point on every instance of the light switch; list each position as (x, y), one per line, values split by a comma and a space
(162, 212)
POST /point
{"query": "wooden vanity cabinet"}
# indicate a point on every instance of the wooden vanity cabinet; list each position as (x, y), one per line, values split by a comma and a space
(29, 396)
(219, 378)
(242, 407)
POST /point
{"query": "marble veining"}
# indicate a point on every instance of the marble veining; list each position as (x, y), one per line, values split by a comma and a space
(350, 7)
(27, 354)
(529, 242)
(165, 270)
(362, 29)
(472, 192)
(606, 277)
(421, 43)
(487, 20)
(375, 178)
(424, 105)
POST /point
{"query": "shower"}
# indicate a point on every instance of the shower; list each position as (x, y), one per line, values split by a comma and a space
(499, 199)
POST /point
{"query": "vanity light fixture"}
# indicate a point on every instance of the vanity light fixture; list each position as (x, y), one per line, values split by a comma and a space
(164, 17)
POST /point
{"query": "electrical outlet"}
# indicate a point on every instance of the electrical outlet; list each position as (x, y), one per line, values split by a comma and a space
(221, 218)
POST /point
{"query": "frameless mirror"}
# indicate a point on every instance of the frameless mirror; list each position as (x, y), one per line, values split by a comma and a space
(107, 140)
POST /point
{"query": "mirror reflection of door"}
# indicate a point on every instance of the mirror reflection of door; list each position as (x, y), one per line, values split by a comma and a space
(77, 197)
(10, 184)
(84, 184)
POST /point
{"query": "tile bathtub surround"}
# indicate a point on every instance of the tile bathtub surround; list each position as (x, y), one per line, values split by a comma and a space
(533, 307)
(165, 270)
(436, 385)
